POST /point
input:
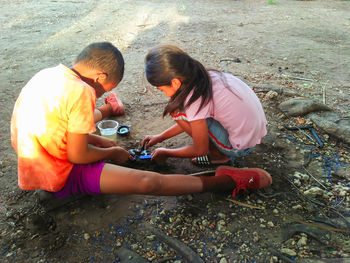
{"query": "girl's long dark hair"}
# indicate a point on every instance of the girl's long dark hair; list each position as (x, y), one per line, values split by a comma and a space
(166, 62)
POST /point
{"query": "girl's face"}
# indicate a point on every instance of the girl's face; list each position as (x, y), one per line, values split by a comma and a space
(170, 90)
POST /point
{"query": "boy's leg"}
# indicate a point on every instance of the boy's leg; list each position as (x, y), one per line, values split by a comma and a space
(99, 177)
(121, 180)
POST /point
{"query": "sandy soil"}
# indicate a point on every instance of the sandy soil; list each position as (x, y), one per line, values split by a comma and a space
(302, 47)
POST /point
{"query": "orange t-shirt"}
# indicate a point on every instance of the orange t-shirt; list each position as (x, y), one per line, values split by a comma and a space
(54, 102)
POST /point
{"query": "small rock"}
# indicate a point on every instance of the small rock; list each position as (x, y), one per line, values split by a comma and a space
(86, 236)
(297, 207)
(288, 252)
(270, 224)
(151, 237)
(255, 236)
(302, 241)
(314, 191)
(271, 95)
(301, 106)
(221, 215)
(134, 246)
(297, 182)
(223, 260)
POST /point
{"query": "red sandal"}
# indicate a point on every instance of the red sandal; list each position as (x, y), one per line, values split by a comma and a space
(116, 103)
(245, 178)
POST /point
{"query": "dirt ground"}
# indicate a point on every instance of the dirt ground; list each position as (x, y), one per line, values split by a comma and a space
(302, 47)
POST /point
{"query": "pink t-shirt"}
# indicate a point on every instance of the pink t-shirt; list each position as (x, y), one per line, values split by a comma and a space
(236, 107)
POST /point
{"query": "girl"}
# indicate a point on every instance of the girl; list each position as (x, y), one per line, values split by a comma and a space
(221, 113)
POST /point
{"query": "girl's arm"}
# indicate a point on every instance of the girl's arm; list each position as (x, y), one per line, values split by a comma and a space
(79, 151)
(199, 147)
(151, 140)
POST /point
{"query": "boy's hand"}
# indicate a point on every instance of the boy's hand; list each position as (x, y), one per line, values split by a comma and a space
(120, 155)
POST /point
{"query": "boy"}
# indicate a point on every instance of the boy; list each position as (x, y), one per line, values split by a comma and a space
(51, 128)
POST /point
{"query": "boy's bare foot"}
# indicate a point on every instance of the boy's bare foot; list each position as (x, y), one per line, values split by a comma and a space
(117, 107)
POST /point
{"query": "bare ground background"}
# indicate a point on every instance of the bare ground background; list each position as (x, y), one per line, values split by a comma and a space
(302, 47)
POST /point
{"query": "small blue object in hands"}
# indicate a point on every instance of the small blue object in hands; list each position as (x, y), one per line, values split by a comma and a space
(145, 157)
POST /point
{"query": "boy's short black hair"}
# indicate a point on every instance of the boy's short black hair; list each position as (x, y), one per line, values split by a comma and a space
(103, 56)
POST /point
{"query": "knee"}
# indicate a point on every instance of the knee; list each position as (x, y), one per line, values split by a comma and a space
(149, 184)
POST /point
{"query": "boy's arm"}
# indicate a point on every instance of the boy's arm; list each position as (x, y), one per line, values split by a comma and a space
(79, 151)
(100, 141)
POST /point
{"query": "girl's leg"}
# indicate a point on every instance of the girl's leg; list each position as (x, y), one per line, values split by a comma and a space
(215, 155)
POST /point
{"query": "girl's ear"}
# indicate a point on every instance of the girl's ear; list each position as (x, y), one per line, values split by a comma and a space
(175, 83)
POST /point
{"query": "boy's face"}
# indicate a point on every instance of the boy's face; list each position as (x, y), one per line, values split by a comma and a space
(103, 86)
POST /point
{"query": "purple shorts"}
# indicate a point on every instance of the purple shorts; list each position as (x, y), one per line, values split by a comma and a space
(84, 179)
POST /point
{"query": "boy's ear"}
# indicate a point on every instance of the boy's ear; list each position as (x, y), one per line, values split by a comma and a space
(100, 76)
(176, 83)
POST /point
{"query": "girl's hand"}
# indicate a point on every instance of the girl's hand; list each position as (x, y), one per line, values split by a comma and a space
(151, 140)
(160, 155)
(120, 155)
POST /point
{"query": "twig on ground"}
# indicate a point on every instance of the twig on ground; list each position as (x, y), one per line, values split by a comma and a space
(202, 173)
(313, 177)
(317, 226)
(298, 78)
(244, 204)
(181, 248)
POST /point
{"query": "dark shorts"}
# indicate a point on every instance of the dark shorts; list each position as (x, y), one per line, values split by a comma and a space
(84, 179)
(219, 137)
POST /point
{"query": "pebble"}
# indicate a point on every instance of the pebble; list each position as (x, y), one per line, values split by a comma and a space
(221, 225)
(86, 236)
(271, 95)
(297, 182)
(221, 215)
(314, 192)
(302, 241)
(134, 246)
(255, 237)
(270, 224)
(297, 207)
(288, 252)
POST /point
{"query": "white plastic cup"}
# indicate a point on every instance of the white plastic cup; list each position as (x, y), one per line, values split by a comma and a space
(108, 129)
